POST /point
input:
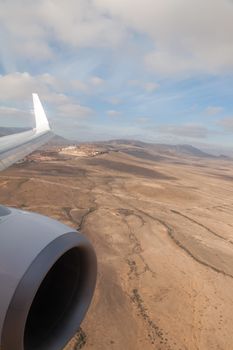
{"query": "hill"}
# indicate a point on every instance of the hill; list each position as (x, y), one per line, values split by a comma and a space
(135, 147)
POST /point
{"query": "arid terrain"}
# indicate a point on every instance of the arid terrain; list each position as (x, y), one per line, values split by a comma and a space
(161, 221)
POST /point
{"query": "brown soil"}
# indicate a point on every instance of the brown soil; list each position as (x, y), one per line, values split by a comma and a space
(163, 233)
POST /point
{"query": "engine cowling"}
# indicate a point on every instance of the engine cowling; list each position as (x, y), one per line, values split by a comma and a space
(47, 280)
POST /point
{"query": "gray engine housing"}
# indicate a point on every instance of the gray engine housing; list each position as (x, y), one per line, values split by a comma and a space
(47, 280)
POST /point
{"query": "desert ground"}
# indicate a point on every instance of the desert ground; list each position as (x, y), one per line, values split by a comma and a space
(162, 227)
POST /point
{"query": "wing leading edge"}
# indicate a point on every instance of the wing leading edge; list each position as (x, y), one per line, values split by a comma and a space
(17, 146)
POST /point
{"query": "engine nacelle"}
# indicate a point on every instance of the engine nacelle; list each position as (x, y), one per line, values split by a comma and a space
(47, 280)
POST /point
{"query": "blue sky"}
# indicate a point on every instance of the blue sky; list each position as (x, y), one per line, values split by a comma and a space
(157, 70)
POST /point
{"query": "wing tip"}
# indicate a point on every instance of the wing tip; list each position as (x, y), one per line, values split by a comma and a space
(42, 123)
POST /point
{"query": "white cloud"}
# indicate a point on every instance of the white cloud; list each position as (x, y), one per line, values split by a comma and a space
(114, 100)
(17, 88)
(29, 28)
(147, 86)
(213, 110)
(150, 87)
(6, 111)
(188, 36)
(90, 46)
(172, 63)
(185, 130)
(74, 110)
(226, 123)
(96, 81)
(113, 113)
(143, 120)
(10, 116)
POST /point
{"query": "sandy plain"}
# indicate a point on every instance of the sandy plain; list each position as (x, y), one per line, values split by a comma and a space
(162, 227)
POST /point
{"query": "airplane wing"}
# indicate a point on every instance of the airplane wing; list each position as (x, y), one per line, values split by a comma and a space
(38, 256)
(17, 146)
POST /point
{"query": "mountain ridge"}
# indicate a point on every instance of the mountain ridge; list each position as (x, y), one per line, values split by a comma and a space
(160, 148)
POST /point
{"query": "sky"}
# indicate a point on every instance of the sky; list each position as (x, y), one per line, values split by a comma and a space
(153, 70)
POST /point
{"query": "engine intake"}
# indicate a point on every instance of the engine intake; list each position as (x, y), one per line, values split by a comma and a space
(47, 278)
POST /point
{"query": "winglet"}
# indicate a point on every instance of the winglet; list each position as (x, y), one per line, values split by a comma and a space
(42, 123)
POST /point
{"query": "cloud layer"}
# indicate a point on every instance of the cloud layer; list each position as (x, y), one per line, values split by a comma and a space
(186, 35)
(89, 60)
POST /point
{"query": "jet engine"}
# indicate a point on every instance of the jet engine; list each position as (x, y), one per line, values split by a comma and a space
(47, 280)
